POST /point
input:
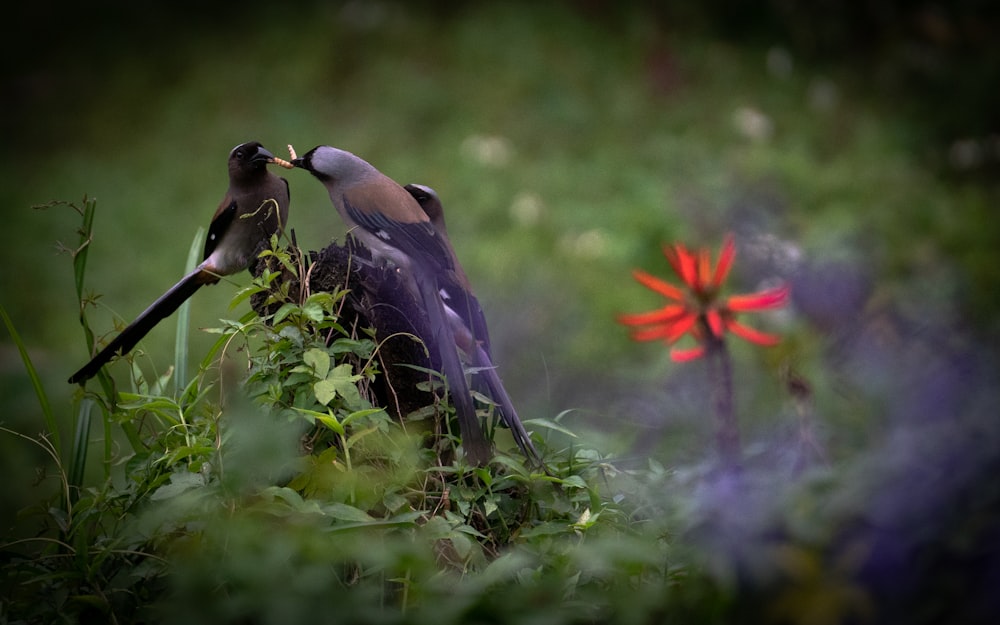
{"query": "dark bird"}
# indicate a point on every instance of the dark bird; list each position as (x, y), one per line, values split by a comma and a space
(469, 323)
(392, 225)
(255, 207)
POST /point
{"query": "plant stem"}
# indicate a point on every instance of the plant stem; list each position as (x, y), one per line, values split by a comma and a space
(727, 431)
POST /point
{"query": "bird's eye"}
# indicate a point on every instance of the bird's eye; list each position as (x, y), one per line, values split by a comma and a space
(239, 154)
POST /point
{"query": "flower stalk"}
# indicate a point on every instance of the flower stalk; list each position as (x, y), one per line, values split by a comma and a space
(720, 375)
(696, 308)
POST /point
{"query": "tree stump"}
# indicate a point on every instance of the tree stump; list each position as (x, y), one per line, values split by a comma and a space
(377, 299)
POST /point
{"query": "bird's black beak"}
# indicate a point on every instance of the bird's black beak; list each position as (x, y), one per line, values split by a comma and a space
(298, 162)
(262, 155)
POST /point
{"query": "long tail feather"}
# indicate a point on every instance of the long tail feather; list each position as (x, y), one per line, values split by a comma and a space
(505, 406)
(159, 310)
(477, 448)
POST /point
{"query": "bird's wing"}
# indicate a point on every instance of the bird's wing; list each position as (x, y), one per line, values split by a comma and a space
(221, 222)
(466, 306)
(417, 239)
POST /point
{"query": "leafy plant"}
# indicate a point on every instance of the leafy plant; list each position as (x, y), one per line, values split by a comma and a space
(291, 493)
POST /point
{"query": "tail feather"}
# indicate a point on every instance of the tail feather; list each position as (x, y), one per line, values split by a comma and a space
(159, 310)
(477, 448)
(505, 406)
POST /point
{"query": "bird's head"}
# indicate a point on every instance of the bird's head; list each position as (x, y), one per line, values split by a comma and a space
(333, 165)
(248, 158)
(428, 200)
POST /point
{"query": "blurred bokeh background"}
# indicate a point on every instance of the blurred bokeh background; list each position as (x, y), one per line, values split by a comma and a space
(853, 149)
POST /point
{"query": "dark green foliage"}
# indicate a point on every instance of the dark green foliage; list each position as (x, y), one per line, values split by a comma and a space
(290, 496)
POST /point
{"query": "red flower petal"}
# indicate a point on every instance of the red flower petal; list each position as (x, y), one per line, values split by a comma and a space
(704, 269)
(667, 314)
(684, 264)
(653, 283)
(715, 323)
(656, 333)
(764, 300)
(725, 261)
(709, 318)
(681, 326)
(668, 332)
(686, 355)
(749, 334)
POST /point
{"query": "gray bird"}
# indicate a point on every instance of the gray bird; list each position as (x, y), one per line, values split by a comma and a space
(392, 225)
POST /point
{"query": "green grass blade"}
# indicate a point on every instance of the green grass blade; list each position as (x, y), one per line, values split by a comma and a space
(184, 317)
(88, 213)
(81, 440)
(108, 458)
(80, 266)
(80, 256)
(36, 382)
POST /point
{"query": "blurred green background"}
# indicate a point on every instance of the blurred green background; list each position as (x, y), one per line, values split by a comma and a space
(853, 150)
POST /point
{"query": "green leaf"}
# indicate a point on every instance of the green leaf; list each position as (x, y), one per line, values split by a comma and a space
(360, 414)
(325, 418)
(403, 520)
(436, 528)
(420, 414)
(573, 481)
(469, 530)
(184, 316)
(321, 299)
(393, 501)
(515, 465)
(548, 528)
(160, 383)
(313, 312)
(340, 381)
(462, 544)
(244, 294)
(134, 401)
(185, 452)
(331, 422)
(286, 494)
(318, 360)
(36, 381)
(81, 439)
(60, 517)
(284, 311)
(362, 347)
(354, 438)
(551, 425)
(80, 256)
(180, 482)
(325, 391)
(291, 333)
(344, 512)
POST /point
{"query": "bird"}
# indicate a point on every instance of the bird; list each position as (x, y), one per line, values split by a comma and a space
(392, 225)
(254, 207)
(469, 323)
(455, 287)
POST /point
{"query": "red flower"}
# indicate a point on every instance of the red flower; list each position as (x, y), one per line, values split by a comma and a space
(696, 308)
